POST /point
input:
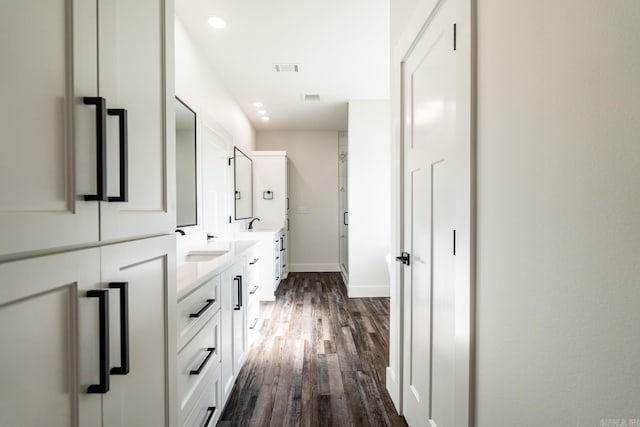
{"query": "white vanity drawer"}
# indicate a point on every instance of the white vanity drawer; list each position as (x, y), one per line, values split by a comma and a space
(196, 308)
(197, 358)
(207, 408)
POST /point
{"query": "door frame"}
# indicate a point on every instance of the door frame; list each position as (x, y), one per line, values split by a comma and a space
(465, 203)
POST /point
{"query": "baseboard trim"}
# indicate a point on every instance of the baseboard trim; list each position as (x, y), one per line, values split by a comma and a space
(314, 268)
(392, 388)
(369, 291)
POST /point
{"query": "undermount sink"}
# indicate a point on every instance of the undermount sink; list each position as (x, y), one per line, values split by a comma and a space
(204, 256)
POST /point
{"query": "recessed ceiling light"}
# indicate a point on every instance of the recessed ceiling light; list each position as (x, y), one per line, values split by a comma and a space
(265, 118)
(257, 104)
(217, 22)
(262, 112)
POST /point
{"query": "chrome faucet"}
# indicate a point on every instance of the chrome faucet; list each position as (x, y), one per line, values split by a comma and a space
(251, 222)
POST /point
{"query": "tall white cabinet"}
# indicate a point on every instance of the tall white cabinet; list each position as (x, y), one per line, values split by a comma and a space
(85, 79)
(87, 257)
(271, 188)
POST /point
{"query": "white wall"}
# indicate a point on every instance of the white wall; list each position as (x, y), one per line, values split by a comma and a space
(558, 267)
(198, 85)
(369, 197)
(313, 196)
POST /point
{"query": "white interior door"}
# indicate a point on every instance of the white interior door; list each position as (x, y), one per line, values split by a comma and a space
(217, 178)
(429, 93)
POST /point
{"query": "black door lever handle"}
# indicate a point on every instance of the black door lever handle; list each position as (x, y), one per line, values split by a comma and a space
(404, 258)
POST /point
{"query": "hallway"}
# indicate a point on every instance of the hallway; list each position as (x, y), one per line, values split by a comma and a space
(322, 361)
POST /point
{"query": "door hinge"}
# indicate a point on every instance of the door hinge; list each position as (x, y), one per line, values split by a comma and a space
(455, 36)
(230, 158)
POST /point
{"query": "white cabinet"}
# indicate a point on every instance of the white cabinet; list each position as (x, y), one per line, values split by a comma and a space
(70, 320)
(252, 269)
(234, 321)
(114, 50)
(271, 188)
(272, 255)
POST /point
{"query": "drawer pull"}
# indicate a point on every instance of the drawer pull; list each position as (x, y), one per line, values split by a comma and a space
(211, 410)
(253, 291)
(238, 279)
(211, 351)
(209, 303)
(255, 260)
(253, 325)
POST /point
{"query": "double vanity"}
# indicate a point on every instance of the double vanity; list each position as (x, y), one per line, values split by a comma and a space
(219, 288)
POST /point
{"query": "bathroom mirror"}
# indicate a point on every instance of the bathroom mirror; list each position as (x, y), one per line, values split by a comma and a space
(243, 185)
(186, 209)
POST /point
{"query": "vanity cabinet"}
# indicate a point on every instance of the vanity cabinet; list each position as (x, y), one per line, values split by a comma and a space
(85, 337)
(93, 78)
(272, 255)
(234, 321)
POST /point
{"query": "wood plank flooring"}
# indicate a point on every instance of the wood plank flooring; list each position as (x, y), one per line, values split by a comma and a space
(321, 361)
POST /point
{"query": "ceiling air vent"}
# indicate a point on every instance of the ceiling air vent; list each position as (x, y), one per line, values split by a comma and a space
(311, 97)
(286, 68)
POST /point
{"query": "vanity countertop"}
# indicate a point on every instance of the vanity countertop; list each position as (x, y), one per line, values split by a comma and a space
(193, 273)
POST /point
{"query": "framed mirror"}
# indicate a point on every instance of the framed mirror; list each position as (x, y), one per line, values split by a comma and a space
(243, 185)
(186, 173)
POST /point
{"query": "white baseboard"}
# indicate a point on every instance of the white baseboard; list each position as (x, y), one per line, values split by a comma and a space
(314, 268)
(368, 291)
(393, 388)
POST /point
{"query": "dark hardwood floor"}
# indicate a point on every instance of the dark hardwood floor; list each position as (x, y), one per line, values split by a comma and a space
(321, 361)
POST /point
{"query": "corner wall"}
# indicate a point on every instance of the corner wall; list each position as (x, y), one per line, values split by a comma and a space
(558, 217)
(369, 197)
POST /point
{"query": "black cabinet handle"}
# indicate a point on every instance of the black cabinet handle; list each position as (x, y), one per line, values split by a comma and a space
(121, 113)
(254, 261)
(211, 351)
(101, 148)
(103, 307)
(203, 309)
(211, 410)
(238, 280)
(253, 291)
(287, 224)
(123, 369)
(344, 218)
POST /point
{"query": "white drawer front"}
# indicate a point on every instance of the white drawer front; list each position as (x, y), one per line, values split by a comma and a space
(196, 309)
(197, 358)
(207, 406)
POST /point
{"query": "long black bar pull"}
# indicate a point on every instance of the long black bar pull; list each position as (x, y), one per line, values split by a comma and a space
(211, 410)
(101, 148)
(103, 312)
(238, 280)
(211, 351)
(123, 369)
(123, 135)
(204, 308)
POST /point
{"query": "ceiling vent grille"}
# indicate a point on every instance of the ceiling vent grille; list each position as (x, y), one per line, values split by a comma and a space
(286, 68)
(311, 97)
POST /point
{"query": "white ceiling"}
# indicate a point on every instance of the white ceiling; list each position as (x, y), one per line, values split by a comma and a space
(342, 47)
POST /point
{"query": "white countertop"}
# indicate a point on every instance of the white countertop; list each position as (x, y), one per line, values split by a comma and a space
(192, 274)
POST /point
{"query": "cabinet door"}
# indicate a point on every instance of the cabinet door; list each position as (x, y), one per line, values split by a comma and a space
(47, 156)
(143, 396)
(50, 348)
(240, 319)
(135, 39)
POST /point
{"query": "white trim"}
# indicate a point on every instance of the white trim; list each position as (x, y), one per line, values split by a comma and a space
(314, 268)
(392, 385)
(369, 291)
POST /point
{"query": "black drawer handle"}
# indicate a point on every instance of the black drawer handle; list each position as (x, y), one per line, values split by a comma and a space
(121, 113)
(103, 306)
(211, 351)
(212, 410)
(255, 260)
(254, 323)
(101, 148)
(123, 369)
(238, 279)
(209, 303)
(253, 291)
